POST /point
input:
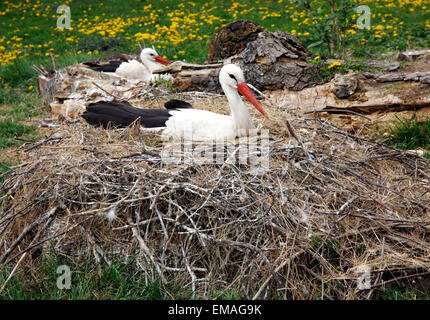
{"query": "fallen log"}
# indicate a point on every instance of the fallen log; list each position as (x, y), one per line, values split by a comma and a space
(189, 76)
(378, 97)
(412, 55)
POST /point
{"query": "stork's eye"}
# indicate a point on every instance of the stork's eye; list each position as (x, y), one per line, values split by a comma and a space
(232, 76)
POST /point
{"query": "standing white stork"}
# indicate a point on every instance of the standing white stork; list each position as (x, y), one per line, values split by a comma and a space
(133, 69)
(179, 120)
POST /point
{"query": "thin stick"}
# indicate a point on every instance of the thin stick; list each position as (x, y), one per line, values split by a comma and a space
(377, 218)
(258, 91)
(338, 111)
(13, 272)
(283, 264)
(293, 133)
(343, 207)
(54, 64)
(109, 93)
(192, 274)
(146, 250)
(400, 278)
(379, 276)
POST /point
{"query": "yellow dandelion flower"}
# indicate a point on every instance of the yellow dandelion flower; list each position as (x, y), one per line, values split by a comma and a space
(334, 64)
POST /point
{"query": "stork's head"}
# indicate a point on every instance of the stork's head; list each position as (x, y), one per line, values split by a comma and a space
(150, 55)
(232, 76)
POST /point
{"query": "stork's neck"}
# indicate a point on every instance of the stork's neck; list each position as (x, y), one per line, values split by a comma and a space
(239, 113)
(151, 65)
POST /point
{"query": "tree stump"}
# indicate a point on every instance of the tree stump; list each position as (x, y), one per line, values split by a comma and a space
(270, 60)
(232, 39)
(276, 61)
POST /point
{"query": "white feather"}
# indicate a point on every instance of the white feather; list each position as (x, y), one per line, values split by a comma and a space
(199, 125)
(164, 76)
(111, 215)
(134, 70)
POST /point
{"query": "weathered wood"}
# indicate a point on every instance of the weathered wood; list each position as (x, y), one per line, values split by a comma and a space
(344, 85)
(423, 77)
(270, 60)
(178, 66)
(413, 54)
(189, 76)
(380, 101)
(385, 65)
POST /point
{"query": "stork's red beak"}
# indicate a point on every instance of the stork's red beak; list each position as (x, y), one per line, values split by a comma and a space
(246, 92)
(162, 60)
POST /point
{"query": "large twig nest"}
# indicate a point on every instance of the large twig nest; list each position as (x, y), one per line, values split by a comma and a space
(331, 207)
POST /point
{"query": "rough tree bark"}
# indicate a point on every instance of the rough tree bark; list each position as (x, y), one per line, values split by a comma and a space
(232, 39)
(270, 60)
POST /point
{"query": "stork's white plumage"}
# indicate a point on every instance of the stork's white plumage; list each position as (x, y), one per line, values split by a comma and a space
(187, 123)
(133, 69)
(206, 125)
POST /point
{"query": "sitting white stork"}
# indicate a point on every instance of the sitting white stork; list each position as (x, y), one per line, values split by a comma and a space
(179, 120)
(133, 69)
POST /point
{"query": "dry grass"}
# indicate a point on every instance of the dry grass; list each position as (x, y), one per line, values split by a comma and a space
(329, 205)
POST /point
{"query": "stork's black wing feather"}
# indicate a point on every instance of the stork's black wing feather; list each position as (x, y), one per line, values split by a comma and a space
(177, 104)
(122, 114)
(110, 66)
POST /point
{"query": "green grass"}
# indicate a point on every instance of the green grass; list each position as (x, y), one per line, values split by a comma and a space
(94, 281)
(17, 108)
(99, 43)
(9, 129)
(397, 292)
(89, 280)
(4, 167)
(20, 105)
(325, 74)
(160, 82)
(120, 281)
(409, 134)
